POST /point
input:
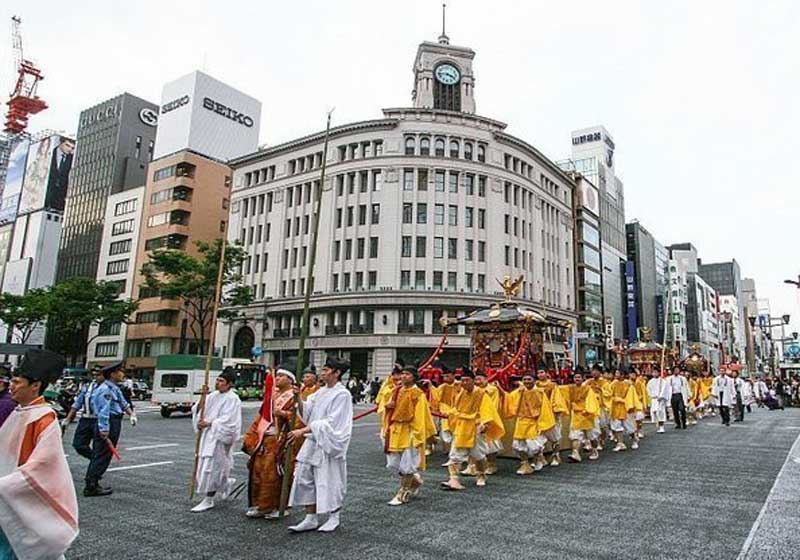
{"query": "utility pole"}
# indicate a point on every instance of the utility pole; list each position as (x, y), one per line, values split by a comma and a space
(313, 257)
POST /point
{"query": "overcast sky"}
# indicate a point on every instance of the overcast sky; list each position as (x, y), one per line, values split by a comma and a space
(700, 97)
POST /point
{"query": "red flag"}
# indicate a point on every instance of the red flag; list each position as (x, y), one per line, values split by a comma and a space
(266, 404)
(114, 452)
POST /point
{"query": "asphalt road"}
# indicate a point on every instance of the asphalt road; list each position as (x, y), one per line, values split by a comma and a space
(702, 493)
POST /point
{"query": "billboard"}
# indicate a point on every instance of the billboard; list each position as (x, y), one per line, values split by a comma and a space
(47, 174)
(207, 116)
(630, 299)
(14, 177)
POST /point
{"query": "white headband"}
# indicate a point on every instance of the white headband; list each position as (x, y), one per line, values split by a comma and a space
(287, 373)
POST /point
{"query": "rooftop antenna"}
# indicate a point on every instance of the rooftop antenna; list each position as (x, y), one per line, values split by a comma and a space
(443, 38)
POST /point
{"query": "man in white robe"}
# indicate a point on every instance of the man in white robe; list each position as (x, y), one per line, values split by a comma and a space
(660, 393)
(38, 507)
(760, 391)
(724, 394)
(320, 477)
(220, 423)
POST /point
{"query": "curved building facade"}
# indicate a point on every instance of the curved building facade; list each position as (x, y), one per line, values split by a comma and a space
(422, 211)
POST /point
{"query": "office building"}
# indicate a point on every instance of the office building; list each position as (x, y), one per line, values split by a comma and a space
(422, 210)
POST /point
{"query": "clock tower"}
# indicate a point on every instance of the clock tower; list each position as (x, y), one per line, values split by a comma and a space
(443, 76)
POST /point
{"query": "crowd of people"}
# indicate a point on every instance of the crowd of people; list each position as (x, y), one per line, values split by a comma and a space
(297, 444)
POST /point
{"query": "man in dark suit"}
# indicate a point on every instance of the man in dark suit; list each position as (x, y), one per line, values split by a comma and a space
(60, 166)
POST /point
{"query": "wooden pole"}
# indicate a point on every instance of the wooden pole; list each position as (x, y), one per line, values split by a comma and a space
(301, 349)
(201, 404)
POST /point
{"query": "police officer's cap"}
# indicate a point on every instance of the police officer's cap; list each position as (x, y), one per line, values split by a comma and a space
(42, 365)
(108, 370)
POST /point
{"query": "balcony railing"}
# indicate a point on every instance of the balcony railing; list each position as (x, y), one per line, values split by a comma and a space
(362, 329)
(280, 333)
(335, 329)
(411, 329)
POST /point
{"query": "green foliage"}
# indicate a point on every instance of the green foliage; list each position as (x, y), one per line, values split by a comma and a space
(79, 303)
(192, 280)
(23, 314)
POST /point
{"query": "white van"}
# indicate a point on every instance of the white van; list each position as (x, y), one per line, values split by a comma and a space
(178, 381)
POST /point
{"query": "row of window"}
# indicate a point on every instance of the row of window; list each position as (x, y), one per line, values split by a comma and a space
(117, 267)
(125, 207)
(294, 195)
(347, 216)
(356, 150)
(120, 247)
(256, 205)
(259, 176)
(255, 234)
(183, 169)
(361, 179)
(180, 192)
(361, 243)
(305, 163)
(173, 217)
(421, 248)
(442, 148)
(439, 215)
(419, 179)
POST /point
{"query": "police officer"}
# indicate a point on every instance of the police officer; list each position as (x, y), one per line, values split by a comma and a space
(84, 433)
(109, 404)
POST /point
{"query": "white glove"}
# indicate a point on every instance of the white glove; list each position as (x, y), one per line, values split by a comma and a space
(134, 420)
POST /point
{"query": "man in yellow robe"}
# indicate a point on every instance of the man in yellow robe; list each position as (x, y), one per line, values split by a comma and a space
(444, 394)
(559, 404)
(385, 394)
(694, 407)
(623, 410)
(310, 382)
(706, 396)
(409, 427)
(534, 416)
(472, 419)
(602, 390)
(584, 408)
(494, 447)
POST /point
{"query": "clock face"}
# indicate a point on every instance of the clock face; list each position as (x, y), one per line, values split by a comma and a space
(447, 74)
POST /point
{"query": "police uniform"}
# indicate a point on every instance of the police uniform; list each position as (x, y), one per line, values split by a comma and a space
(109, 404)
(84, 433)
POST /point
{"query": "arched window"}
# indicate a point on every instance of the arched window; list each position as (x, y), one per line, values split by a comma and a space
(468, 150)
(411, 146)
(243, 343)
(425, 147)
(481, 153)
(439, 147)
(455, 149)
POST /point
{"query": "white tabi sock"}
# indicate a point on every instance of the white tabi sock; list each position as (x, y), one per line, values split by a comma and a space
(331, 524)
(310, 523)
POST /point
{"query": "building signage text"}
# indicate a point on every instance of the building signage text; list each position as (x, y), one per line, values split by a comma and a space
(227, 112)
(174, 104)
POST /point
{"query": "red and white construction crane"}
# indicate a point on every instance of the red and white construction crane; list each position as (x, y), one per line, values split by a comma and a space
(23, 101)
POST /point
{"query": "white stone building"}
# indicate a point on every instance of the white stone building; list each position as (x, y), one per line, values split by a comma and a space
(117, 263)
(422, 210)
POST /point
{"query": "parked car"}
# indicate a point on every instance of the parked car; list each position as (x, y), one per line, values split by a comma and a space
(141, 391)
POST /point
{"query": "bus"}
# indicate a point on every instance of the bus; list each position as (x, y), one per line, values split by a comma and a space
(249, 377)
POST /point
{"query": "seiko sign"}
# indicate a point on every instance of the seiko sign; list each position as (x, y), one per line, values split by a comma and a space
(174, 104)
(227, 112)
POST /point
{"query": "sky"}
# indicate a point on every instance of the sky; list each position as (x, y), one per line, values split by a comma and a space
(700, 97)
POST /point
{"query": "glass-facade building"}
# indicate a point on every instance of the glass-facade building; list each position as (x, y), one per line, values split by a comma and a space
(115, 142)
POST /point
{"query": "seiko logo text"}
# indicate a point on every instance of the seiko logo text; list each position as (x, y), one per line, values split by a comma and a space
(172, 105)
(232, 114)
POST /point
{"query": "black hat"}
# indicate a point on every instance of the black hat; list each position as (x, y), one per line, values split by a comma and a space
(541, 366)
(337, 363)
(410, 369)
(579, 369)
(228, 374)
(108, 370)
(466, 372)
(597, 367)
(41, 365)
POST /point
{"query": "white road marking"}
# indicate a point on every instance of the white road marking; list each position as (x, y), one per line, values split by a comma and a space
(793, 452)
(363, 424)
(129, 467)
(156, 446)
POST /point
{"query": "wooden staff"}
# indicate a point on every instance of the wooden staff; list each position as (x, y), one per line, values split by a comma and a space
(201, 404)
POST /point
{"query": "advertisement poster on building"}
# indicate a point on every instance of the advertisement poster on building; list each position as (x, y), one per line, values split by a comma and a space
(9, 198)
(590, 197)
(630, 301)
(47, 174)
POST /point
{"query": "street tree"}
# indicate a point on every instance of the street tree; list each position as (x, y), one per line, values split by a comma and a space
(192, 280)
(78, 304)
(23, 314)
